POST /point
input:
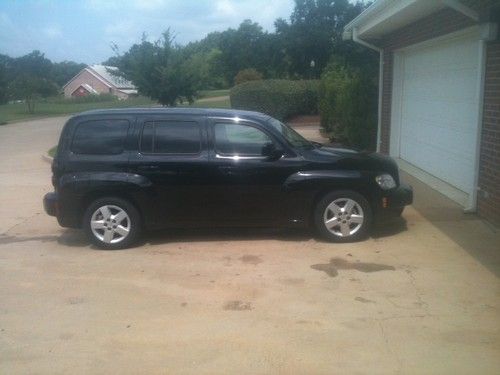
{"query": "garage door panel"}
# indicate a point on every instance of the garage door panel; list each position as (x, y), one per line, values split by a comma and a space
(438, 109)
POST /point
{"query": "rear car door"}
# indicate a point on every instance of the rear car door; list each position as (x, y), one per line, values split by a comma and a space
(172, 154)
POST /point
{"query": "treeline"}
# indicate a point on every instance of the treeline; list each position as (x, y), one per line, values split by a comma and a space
(300, 48)
(33, 75)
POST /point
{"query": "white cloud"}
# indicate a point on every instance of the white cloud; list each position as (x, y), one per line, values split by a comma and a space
(52, 32)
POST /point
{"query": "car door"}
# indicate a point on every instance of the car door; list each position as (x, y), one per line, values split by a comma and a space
(172, 154)
(247, 183)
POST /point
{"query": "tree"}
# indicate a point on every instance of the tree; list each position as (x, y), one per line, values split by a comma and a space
(3, 83)
(314, 33)
(247, 75)
(158, 70)
(30, 88)
(62, 72)
(31, 79)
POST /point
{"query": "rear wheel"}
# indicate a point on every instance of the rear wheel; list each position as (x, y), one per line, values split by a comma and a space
(343, 216)
(112, 223)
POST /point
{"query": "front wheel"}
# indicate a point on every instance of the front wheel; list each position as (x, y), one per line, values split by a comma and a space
(343, 216)
(112, 223)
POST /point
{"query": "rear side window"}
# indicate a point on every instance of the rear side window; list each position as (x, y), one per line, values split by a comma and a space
(100, 137)
(171, 137)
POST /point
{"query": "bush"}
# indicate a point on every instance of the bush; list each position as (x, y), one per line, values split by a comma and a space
(247, 75)
(278, 98)
(348, 106)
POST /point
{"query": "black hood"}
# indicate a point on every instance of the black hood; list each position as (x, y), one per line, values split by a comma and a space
(345, 158)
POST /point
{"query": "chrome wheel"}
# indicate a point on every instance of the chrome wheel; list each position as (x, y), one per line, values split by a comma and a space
(110, 224)
(343, 217)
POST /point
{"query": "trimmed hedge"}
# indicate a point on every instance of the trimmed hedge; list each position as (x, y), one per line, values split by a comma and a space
(348, 106)
(278, 98)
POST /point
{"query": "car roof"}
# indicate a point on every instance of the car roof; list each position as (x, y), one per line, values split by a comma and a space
(250, 115)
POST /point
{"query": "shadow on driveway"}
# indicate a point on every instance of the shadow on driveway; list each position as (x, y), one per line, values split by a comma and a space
(480, 239)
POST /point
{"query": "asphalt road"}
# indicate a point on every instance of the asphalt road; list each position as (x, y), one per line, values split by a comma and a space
(421, 296)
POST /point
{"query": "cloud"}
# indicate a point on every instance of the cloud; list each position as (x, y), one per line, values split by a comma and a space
(52, 32)
(90, 26)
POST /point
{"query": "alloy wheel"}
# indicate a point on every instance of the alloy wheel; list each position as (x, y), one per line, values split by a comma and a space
(343, 217)
(110, 224)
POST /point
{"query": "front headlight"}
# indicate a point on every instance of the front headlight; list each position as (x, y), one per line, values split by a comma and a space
(385, 181)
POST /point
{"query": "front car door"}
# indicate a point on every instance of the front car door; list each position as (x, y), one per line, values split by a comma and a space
(247, 184)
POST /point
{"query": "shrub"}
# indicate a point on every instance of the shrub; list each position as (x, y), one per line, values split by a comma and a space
(247, 75)
(348, 106)
(278, 98)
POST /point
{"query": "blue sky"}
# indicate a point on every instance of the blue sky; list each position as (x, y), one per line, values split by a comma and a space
(83, 30)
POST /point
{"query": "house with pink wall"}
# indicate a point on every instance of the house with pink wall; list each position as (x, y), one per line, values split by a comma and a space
(99, 79)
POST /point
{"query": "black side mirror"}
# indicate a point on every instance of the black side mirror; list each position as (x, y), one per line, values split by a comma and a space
(271, 152)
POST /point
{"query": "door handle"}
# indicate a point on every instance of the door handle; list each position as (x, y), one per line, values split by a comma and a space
(147, 167)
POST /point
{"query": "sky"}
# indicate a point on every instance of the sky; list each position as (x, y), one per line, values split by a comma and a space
(84, 30)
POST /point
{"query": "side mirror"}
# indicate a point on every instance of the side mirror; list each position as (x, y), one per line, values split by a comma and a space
(271, 152)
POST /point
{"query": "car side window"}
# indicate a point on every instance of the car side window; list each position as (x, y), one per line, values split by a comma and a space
(171, 137)
(100, 137)
(240, 140)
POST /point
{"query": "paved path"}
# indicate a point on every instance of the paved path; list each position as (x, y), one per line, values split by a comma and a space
(421, 296)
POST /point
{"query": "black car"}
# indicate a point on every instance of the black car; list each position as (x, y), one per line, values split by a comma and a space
(120, 171)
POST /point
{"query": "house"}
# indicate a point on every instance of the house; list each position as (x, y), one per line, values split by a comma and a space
(439, 93)
(97, 79)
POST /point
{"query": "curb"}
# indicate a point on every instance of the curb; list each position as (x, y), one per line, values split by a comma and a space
(47, 158)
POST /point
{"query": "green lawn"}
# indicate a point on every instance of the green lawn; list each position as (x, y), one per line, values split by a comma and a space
(223, 103)
(203, 94)
(58, 106)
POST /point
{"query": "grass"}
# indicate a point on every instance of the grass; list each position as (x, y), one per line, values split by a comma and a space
(52, 151)
(223, 103)
(203, 94)
(59, 106)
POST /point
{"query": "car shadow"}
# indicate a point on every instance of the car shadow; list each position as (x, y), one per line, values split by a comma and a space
(77, 238)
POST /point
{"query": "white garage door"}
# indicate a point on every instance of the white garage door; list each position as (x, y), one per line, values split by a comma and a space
(437, 109)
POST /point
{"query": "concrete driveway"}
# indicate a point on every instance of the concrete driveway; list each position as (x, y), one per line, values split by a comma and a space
(421, 296)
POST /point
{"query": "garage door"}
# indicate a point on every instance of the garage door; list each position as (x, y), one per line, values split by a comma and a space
(438, 104)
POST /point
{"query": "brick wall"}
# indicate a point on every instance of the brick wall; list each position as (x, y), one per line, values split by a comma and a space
(489, 161)
(86, 77)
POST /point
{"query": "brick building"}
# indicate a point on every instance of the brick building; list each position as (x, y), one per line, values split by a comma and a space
(97, 79)
(439, 94)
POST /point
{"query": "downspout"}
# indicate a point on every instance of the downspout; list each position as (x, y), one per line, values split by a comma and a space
(356, 39)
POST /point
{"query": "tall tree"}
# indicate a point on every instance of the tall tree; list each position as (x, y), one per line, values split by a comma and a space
(63, 71)
(31, 79)
(158, 70)
(314, 33)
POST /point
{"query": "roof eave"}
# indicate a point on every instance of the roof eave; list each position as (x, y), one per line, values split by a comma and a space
(385, 16)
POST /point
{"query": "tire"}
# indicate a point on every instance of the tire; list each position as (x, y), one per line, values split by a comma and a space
(348, 225)
(107, 234)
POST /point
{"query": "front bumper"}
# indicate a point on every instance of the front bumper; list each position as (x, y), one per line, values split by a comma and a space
(399, 197)
(50, 204)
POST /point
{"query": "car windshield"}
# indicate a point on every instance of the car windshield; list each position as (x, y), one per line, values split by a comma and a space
(294, 138)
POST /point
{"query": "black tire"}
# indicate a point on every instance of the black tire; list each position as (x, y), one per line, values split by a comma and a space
(135, 229)
(364, 227)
